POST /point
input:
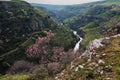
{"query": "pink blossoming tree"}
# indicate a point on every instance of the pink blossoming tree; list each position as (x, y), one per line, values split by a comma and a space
(58, 53)
(41, 47)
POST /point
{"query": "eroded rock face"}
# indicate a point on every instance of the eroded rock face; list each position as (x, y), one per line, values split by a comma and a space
(96, 44)
(96, 61)
(101, 62)
(92, 45)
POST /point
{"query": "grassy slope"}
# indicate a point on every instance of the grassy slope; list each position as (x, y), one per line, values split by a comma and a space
(94, 31)
(111, 2)
(14, 77)
(112, 51)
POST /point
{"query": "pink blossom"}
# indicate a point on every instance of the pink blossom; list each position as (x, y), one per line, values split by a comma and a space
(40, 47)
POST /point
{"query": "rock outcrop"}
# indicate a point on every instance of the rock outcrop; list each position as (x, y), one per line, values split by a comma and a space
(95, 44)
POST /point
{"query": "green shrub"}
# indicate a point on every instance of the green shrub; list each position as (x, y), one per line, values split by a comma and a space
(20, 66)
(118, 71)
(89, 74)
(15, 77)
(40, 72)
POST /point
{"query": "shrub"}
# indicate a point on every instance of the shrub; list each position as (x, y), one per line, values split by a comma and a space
(54, 68)
(40, 47)
(20, 66)
(40, 72)
(40, 51)
(118, 71)
(38, 69)
(59, 55)
(58, 52)
(89, 74)
(67, 58)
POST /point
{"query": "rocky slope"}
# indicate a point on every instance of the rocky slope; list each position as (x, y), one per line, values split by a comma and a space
(100, 61)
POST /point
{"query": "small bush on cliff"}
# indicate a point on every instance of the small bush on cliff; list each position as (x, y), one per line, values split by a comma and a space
(20, 66)
(118, 71)
(89, 74)
(54, 68)
(40, 72)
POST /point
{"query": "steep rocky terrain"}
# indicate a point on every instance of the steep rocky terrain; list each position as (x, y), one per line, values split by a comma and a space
(100, 61)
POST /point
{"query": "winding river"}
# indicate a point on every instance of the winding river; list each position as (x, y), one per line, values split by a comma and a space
(76, 48)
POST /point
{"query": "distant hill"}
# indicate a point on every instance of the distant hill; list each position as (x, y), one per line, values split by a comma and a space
(66, 11)
(95, 20)
(48, 6)
(87, 15)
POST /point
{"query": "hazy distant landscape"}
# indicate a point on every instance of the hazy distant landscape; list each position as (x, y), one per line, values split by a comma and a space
(60, 42)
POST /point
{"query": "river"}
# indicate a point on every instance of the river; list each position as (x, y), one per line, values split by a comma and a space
(77, 46)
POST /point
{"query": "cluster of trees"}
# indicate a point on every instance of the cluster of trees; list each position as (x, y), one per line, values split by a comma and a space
(22, 25)
(43, 59)
(44, 52)
(41, 46)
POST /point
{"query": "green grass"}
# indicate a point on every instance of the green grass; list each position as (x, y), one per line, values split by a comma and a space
(23, 45)
(111, 3)
(16, 0)
(92, 33)
(1, 77)
(14, 77)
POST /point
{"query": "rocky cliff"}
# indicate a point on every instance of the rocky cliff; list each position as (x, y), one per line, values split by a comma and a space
(99, 61)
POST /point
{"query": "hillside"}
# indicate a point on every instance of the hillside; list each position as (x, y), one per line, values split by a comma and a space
(21, 25)
(98, 23)
(64, 12)
(59, 42)
(97, 20)
(48, 6)
(100, 61)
